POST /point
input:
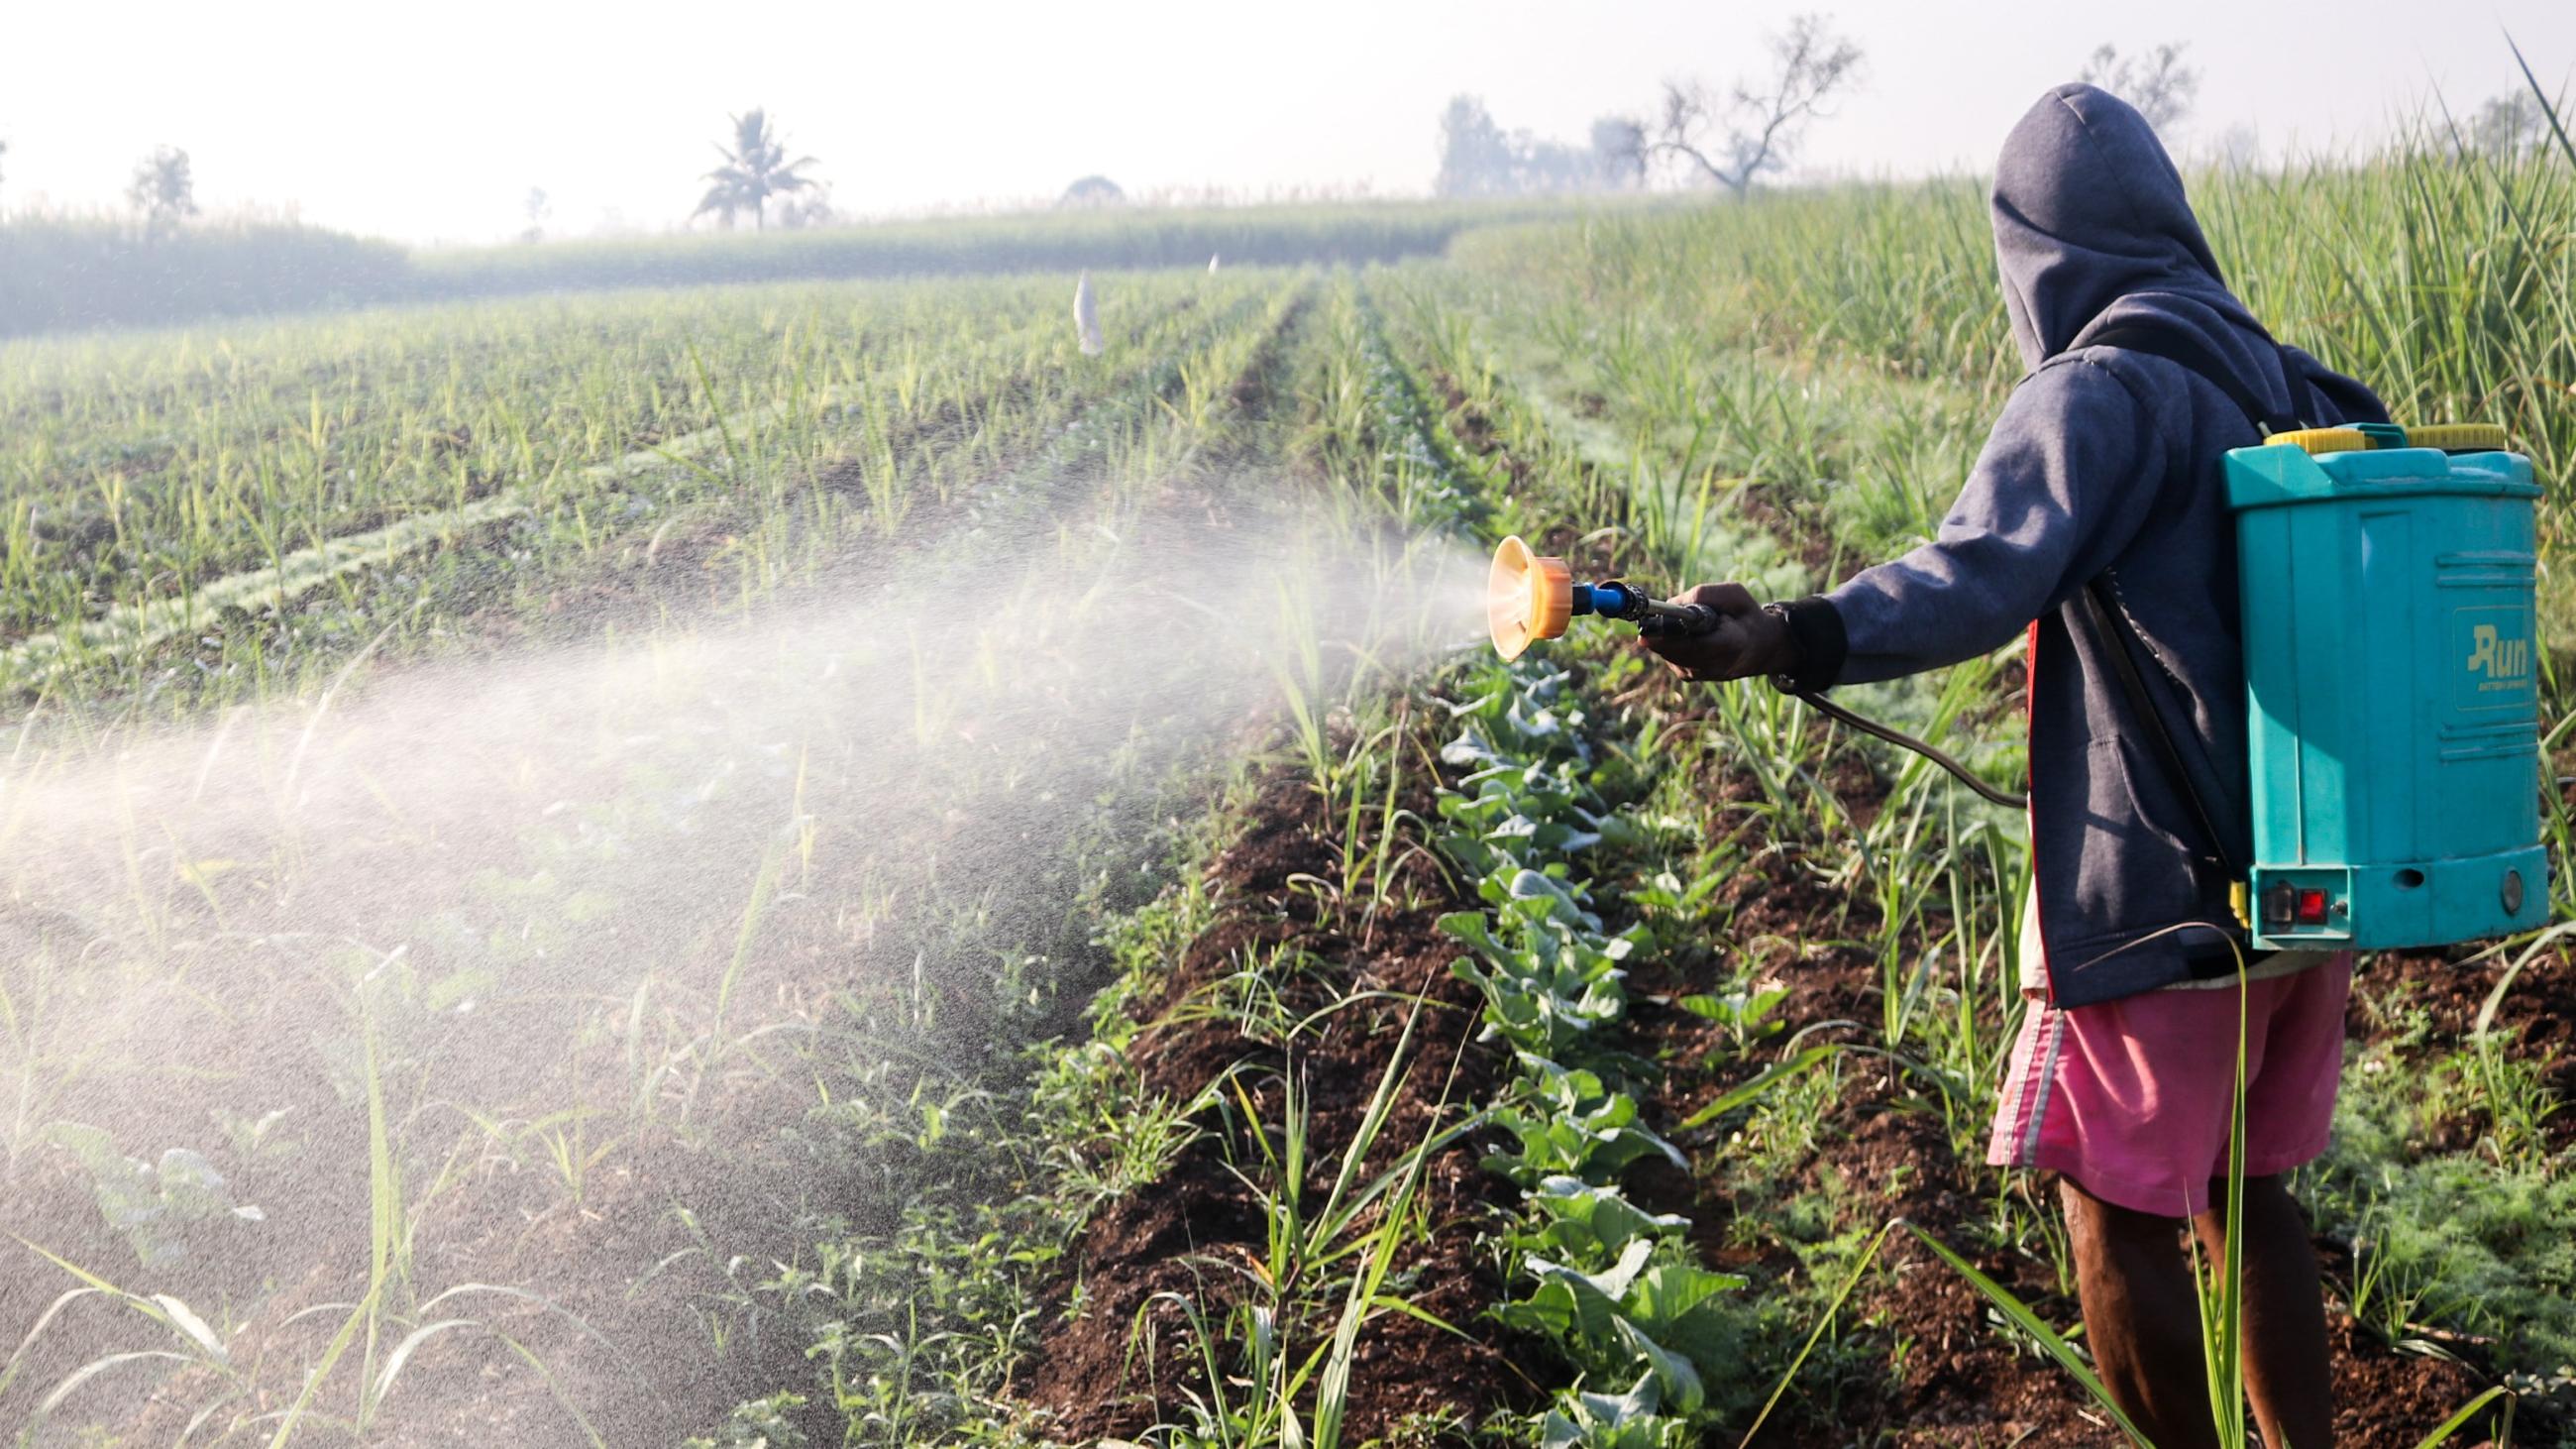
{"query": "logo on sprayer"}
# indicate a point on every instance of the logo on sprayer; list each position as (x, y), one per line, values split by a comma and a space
(2505, 662)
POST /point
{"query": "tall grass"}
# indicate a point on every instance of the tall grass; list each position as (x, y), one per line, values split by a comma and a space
(2444, 276)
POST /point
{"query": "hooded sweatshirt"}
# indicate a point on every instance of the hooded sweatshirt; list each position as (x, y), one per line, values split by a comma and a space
(2105, 464)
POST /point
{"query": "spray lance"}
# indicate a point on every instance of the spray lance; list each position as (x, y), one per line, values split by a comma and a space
(1529, 597)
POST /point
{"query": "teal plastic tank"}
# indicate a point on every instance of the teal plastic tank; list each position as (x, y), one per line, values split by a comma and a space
(2391, 670)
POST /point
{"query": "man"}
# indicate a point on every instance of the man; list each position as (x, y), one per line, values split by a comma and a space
(2104, 469)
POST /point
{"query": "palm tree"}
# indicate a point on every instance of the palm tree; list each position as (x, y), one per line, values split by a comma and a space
(755, 169)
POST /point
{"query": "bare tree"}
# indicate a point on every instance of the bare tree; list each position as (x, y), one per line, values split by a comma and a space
(755, 169)
(164, 190)
(1733, 140)
(539, 207)
(2158, 84)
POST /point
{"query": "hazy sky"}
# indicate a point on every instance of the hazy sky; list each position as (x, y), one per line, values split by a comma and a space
(432, 121)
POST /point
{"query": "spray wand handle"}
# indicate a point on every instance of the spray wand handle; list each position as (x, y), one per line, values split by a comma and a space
(1661, 618)
(1616, 600)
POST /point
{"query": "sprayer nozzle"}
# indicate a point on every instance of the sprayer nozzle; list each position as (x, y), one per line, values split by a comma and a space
(1527, 597)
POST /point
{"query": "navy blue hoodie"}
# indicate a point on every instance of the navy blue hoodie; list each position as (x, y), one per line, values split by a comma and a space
(2104, 464)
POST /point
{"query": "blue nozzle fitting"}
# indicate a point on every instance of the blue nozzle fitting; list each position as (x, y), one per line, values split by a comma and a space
(1634, 605)
(1614, 600)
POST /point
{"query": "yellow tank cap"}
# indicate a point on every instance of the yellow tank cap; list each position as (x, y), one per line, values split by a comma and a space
(2322, 440)
(2459, 437)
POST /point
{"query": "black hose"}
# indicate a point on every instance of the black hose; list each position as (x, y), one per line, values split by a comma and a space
(1652, 617)
(1903, 740)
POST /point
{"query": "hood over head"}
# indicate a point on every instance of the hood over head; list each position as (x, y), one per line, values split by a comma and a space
(2089, 209)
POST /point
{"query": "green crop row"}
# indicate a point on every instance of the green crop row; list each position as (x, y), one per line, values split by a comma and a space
(150, 469)
(855, 438)
(1651, 1334)
(1614, 1288)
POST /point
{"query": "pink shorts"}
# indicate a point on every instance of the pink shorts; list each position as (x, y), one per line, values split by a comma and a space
(2131, 1098)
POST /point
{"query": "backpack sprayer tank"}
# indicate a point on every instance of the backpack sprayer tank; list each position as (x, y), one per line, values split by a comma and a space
(2390, 676)
(2391, 686)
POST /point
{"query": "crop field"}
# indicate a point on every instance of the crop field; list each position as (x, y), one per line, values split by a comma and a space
(802, 862)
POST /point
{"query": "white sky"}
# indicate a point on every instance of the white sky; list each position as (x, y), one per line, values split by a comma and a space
(432, 121)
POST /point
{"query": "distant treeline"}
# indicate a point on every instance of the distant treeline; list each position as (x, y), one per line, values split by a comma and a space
(57, 274)
(66, 274)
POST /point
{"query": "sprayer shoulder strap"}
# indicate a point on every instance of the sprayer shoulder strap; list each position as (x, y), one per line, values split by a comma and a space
(2179, 347)
(2111, 628)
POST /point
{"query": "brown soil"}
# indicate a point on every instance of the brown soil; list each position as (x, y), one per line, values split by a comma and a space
(1809, 540)
(1196, 1238)
(2536, 1017)
(1474, 432)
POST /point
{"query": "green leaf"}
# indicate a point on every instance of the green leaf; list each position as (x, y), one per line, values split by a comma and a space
(2030, 1323)
(185, 1319)
(1610, 1285)
(1672, 1371)
(1473, 927)
(1673, 1301)
(2469, 1411)
(1607, 1219)
(1605, 1421)
(1745, 1093)
(1669, 1291)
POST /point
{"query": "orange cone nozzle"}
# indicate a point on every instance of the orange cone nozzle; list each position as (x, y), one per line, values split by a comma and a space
(1527, 598)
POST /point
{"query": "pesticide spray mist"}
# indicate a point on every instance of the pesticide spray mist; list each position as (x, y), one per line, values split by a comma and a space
(452, 993)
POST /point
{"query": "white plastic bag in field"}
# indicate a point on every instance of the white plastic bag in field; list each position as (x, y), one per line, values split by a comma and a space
(1086, 318)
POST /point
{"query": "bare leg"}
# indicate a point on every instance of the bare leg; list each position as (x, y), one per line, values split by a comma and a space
(2142, 1316)
(2288, 1369)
